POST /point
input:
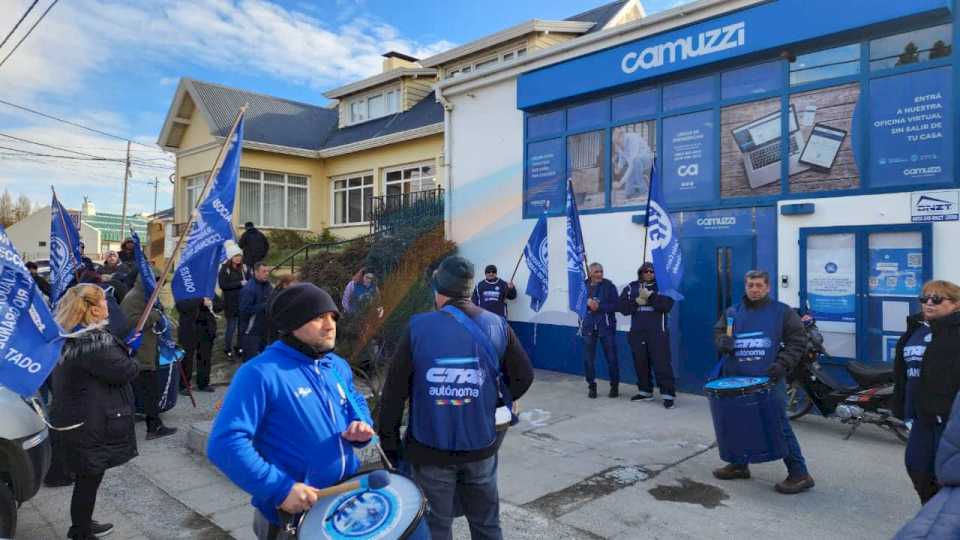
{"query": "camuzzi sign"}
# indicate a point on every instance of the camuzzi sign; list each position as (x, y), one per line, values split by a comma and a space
(708, 42)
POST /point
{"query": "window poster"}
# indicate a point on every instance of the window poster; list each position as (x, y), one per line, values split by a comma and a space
(822, 133)
(911, 131)
(688, 159)
(895, 272)
(586, 167)
(545, 186)
(634, 149)
(750, 149)
(831, 279)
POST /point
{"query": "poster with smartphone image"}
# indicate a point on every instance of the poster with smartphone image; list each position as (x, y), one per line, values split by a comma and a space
(823, 143)
(822, 146)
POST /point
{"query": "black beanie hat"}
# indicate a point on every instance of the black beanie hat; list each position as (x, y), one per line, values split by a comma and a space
(490, 268)
(454, 277)
(645, 266)
(299, 304)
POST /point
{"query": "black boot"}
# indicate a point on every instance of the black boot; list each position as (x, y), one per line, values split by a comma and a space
(614, 390)
(592, 391)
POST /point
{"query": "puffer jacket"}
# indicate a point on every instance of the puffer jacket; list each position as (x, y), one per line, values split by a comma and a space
(92, 387)
(940, 376)
(939, 519)
(132, 306)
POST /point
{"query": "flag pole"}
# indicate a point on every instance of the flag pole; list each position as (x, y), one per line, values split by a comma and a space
(517, 267)
(646, 213)
(583, 244)
(217, 163)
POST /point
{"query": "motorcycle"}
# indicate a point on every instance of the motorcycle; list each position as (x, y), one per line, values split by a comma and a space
(809, 385)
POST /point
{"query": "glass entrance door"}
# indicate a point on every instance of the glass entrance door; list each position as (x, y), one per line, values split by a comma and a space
(895, 276)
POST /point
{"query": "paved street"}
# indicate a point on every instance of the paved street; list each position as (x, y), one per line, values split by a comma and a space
(573, 468)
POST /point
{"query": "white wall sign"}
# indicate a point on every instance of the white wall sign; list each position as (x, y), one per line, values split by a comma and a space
(927, 206)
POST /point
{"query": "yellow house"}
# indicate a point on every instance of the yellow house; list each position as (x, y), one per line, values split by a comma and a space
(378, 145)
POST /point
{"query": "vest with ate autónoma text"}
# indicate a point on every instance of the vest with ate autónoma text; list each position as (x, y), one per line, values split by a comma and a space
(757, 338)
(455, 387)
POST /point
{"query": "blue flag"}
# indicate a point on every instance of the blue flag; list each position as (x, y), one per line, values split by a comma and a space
(30, 339)
(664, 244)
(64, 250)
(196, 275)
(576, 258)
(537, 256)
(167, 346)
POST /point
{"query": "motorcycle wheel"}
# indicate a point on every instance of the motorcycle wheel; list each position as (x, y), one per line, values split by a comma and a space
(797, 403)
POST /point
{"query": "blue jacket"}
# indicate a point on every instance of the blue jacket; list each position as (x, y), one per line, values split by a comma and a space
(253, 306)
(939, 519)
(281, 423)
(604, 319)
(650, 319)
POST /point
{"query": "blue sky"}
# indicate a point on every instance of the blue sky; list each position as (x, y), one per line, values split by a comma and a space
(114, 65)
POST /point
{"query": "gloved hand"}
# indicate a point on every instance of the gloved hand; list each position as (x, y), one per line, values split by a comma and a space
(133, 343)
(643, 295)
(776, 371)
(725, 344)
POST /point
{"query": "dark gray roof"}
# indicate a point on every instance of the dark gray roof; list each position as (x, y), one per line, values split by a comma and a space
(283, 122)
(269, 119)
(600, 15)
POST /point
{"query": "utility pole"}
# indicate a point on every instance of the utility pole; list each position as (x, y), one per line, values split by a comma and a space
(126, 180)
(156, 189)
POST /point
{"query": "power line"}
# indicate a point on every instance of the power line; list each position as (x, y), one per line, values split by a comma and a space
(22, 17)
(87, 157)
(25, 36)
(28, 141)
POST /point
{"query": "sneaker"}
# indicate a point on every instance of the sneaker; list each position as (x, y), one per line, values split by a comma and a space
(667, 403)
(795, 484)
(614, 391)
(641, 396)
(101, 529)
(161, 431)
(732, 471)
(592, 392)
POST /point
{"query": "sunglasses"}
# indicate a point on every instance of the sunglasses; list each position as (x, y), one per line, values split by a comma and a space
(935, 299)
(647, 272)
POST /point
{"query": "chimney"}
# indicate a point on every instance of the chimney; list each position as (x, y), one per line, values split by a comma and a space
(88, 209)
(394, 60)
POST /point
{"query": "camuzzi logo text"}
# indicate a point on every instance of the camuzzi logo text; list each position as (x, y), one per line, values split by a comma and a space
(707, 42)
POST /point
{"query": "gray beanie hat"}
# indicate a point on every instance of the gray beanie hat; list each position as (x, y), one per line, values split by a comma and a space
(454, 277)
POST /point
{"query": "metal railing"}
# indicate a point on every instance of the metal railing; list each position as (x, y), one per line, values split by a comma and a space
(315, 248)
(387, 211)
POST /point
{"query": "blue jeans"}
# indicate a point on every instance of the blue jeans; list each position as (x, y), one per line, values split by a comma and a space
(229, 335)
(475, 484)
(796, 465)
(609, 352)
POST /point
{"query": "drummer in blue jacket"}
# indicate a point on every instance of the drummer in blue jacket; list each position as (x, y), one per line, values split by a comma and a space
(777, 340)
(600, 324)
(287, 426)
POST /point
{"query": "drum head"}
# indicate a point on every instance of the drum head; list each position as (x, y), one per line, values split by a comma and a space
(728, 384)
(382, 514)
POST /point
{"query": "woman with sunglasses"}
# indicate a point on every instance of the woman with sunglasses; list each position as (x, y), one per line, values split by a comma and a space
(927, 374)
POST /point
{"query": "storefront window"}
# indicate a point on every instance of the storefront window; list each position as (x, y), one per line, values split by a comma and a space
(588, 115)
(544, 125)
(821, 152)
(751, 148)
(636, 104)
(825, 64)
(585, 169)
(688, 93)
(751, 80)
(634, 149)
(911, 47)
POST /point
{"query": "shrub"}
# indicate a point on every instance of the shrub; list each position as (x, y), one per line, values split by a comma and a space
(287, 239)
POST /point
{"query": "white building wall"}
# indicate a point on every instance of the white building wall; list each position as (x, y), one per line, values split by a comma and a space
(887, 209)
(28, 233)
(486, 210)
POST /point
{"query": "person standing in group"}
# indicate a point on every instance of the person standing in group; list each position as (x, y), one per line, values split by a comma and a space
(126, 251)
(255, 246)
(649, 339)
(927, 379)
(767, 339)
(41, 281)
(271, 333)
(492, 293)
(93, 405)
(196, 333)
(363, 291)
(451, 444)
(287, 426)
(348, 289)
(111, 262)
(147, 384)
(600, 325)
(253, 304)
(231, 279)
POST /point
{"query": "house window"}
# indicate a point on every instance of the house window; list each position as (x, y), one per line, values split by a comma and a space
(825, 64)
(194, 185)
(409, 179)
(352, 199)
(374, 106)
(912, 47)
(275, 200)
(484, 64)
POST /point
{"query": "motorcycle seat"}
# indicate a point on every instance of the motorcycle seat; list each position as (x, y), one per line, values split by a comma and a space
(869, 375)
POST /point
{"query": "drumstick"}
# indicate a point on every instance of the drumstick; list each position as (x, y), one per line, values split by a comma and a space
(374, 480)
(729, 326)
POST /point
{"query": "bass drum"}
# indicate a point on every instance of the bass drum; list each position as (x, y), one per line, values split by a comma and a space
(390, 513)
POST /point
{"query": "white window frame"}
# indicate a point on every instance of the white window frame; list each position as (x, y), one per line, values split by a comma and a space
(363, 202)
(503, 57)
(358, 107)
(409, 167)
(287, 186)
(191, 184)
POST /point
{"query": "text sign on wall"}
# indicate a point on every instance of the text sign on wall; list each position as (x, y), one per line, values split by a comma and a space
(931, 206)
(688, 165)
(544, 174)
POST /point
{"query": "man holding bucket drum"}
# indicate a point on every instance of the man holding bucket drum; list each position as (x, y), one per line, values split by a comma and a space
(760, 340)
(292, 414)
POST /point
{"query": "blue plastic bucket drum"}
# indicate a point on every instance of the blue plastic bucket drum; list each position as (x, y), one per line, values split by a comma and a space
(747, 419)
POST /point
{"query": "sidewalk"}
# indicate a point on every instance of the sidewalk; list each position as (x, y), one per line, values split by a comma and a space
(573, 468)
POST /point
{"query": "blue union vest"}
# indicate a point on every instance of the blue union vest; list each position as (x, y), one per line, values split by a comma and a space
(455, 381)
(757, 335)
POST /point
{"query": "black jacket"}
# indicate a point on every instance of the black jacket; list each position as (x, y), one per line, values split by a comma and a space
(254, 245)
(92, 385)
(196, 323)
(518, 374)
(231, 282)
(654, 322)
(493, 296)
(42, 283)
(940, 374)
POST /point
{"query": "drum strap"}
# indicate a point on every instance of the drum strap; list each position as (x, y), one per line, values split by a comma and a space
(349, 395)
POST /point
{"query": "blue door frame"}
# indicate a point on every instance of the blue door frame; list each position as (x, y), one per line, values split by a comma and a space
(862, 234)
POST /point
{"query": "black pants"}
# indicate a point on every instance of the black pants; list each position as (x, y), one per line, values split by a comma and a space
(82, 503)
(252, 345)
(147, 388)
(58, 473)
(202, 352)
(651, 353)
